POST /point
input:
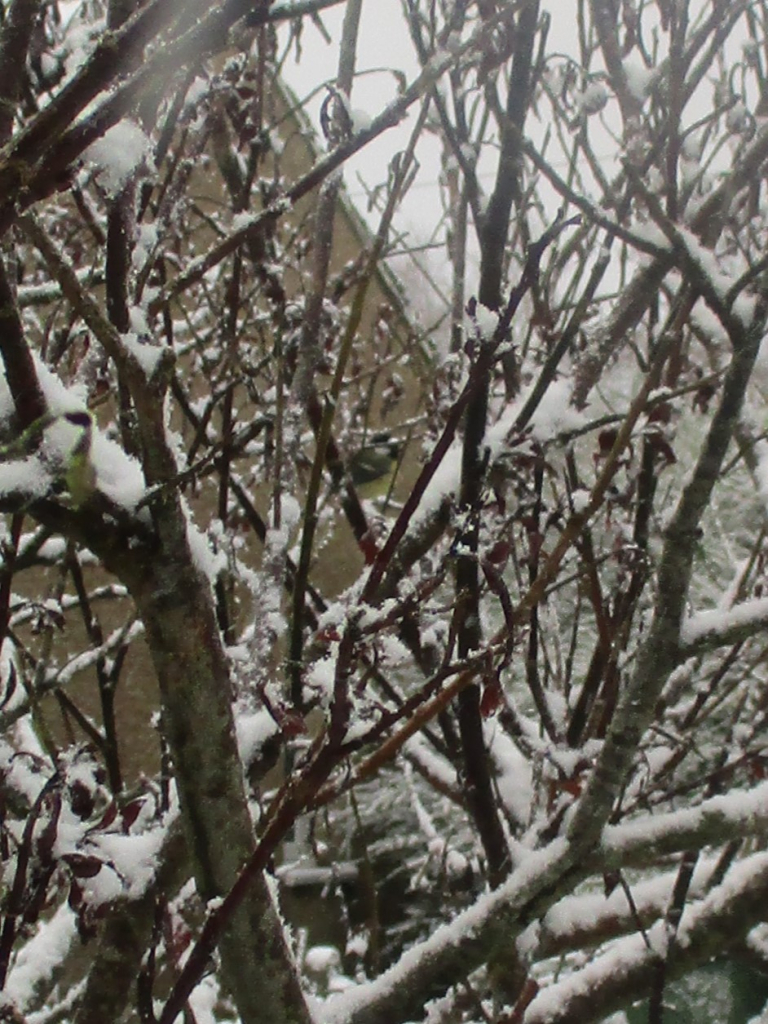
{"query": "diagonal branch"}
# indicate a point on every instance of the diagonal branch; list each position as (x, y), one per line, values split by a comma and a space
(661, 651)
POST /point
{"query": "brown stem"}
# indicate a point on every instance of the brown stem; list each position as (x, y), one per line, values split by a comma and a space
(19, 365)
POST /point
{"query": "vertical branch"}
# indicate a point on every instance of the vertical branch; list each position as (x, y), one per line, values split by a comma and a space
(303, 386)
(495, 224)
(660, 653)
(222, 586)
(493, 236)
(325, 212)
(239, 184)
(458, 254)
(106, 680)
(532, 655)
(605, 17)
(15, 38)
(118, 254)
(676, 78)
(19, 365)
(9, 550)
(326, 452)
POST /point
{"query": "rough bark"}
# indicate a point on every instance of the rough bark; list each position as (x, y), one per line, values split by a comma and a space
(176, 604)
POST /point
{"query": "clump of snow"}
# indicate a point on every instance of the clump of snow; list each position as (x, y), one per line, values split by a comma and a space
(143, 351)
(361, 120)
(81, 34)
(528, 941)
(134, 860)
(253, 730)
(58, 398)
(514, 777)
(647, 231)
(592, 99)
(555, 414)
(59, 441)
(41, 958)
(322, 959)
(705, 321)
(737, 809)
(144, 244)
(244, 220)
(197, 90)
(580, 499)
(357, 945)
(205, 1000)
(720, 282)
(639, 78)
(438, 768)
(320, 677)
(27, 477)
(211, 563)
(118, 154)
(118, 475)
(483, 321)
(444, 484)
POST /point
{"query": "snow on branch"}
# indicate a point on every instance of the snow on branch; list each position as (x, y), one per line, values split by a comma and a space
(716, 627)
(452, 949)
(625, 970)
(714, 821)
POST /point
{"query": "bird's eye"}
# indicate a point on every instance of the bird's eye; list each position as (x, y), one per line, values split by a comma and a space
(78, 419)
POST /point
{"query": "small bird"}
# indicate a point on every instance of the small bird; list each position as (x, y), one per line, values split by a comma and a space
(79, 474)
(373, 467)
(65, 454)
(336, 117)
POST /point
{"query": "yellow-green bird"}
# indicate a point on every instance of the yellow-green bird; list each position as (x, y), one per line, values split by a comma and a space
(373, 467)
(79, 474)
(77, 470)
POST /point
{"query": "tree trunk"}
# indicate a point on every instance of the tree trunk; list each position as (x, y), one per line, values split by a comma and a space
(176, 604)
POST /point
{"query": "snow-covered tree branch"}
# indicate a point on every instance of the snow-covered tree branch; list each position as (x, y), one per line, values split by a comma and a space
(384, 507)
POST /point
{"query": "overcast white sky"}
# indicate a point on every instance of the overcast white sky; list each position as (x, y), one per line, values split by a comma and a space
(384, 43)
